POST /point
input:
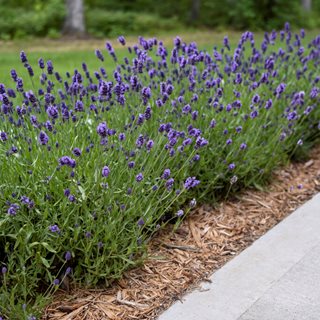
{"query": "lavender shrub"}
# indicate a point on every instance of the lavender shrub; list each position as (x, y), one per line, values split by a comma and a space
(91, 163)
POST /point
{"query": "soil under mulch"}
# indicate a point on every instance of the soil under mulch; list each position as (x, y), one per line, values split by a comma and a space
(203, 243)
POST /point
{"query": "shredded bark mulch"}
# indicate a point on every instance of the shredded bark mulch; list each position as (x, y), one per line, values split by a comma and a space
(203, 243)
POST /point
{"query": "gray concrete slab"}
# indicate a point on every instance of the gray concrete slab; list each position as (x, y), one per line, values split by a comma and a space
(295, 296)
(243, 282)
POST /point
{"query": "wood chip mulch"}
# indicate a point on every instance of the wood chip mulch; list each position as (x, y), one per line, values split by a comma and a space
(203, 243)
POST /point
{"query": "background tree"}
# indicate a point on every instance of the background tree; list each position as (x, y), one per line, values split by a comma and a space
(306, 4)
(195, 9)
(74, 22)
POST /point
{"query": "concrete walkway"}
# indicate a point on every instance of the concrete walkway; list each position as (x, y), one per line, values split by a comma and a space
(276, 278)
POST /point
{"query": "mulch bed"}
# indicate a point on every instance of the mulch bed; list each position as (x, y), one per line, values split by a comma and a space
(203, 243)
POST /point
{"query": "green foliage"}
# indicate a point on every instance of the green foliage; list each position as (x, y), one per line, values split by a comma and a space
(37, 20)
(107, 18)
(237, 14)
(102, 23)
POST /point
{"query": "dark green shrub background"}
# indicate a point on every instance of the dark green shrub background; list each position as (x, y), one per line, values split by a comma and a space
(20, 18)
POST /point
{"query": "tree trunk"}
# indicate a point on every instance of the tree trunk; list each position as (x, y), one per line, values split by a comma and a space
(306, 4)
(74, 23)
(195, 10)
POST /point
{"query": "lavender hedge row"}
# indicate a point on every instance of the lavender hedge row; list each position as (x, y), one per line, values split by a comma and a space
(93, 163)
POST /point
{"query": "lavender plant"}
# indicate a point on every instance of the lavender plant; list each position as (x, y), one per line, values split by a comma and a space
(94, 163)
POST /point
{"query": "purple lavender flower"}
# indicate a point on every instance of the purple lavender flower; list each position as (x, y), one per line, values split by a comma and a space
(56, 282)
(193, 203)
(41, 63)
(49, 67)
(280, 89)
(76, 152)
(140, 141)
(292, 116)
(243, 146)
(3, 136)
(68, 256)
(67, 161)
(201, 142)
(30, 70)
(131, 164)
(231, 166)
(146, 94)
(71, 198)
(102, 129)
(254, 114)
(268, 104)
(150, 144)
(226, 42)
(213, 123)
(105, 171)
(122, 40)
(12, 210)
(238, 129)
(122, 136)
(27, 201)
(179, 213)
(140, 222)
(66, 192)
(169, 183)
(54, 228)
(68, 271)
(79, 106)
(300, 142)
(43, 138)
(139, 177)
(52, 112)
(191, 182)
(23, 57)
(99, 55)
(166, 174)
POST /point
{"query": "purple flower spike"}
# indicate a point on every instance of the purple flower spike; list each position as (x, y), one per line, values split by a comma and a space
(231, 166)
(166, 174)
(71, 198)
(23, 57)
(139, 177)
(122, 40)
(12, 211)
(191, 182)
(180, 213)
(102, 129)
(68, 256)
(99, 55)
(169, 183)
(76, 152)
(43, 138)
(54, 228)
(105, 171)
(67, 161)
(3, 136)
